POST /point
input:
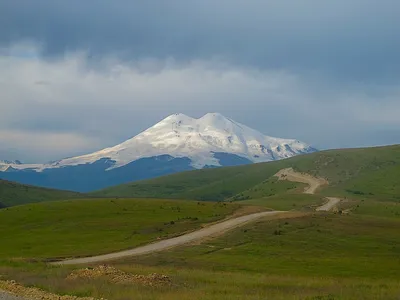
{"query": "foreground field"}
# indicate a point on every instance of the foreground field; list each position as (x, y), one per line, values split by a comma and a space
(200, 284)
(316, 256)
(87, 227)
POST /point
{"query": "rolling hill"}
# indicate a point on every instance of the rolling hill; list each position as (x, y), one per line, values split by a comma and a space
(364, 172)
(12, 194)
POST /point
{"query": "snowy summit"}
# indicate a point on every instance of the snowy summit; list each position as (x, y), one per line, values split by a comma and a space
(197, 139)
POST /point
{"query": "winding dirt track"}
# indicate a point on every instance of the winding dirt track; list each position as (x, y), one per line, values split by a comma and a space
(212, 230)
(216, 229)
(313, 182)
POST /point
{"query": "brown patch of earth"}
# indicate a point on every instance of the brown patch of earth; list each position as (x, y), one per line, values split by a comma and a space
(32, 293)
(119, 277)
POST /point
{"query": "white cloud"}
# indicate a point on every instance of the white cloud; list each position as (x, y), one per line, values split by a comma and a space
(44, 145)
(61, 107)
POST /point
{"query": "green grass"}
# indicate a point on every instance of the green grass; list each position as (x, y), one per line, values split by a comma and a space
(206, 184)
(12, 193)
(302, 258)
(383, 184)
(191, 284)
(88, 227)
(386, 209)
(351, 246)
(351, 172)
(316, 256)
(298, 202)
(268, 188)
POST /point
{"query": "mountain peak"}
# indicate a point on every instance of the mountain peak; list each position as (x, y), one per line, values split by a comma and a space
(199, 140)
(210, 117)
(215, 119)
(174, 118)
(214, 115)
(178, 116)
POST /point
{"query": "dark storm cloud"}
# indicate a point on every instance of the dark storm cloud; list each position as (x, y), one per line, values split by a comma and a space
(356, 39)
(78, 76)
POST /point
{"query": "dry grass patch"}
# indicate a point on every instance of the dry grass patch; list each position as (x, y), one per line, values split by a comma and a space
(119, 277)
(36, 293)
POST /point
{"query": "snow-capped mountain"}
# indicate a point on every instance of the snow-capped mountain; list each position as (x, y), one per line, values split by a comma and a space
(5, 164)
(197, 139)
(179, 140)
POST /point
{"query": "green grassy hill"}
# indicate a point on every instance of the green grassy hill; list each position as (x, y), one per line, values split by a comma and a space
(364, 172)
(12, 193)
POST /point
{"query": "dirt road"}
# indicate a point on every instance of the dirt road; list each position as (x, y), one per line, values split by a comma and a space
(313, 182)
(210, 231)
(213, 230)
(329, 205)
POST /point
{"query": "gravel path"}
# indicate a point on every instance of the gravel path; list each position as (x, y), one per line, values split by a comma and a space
(209, 231)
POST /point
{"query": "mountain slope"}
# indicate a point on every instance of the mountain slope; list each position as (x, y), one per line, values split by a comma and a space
(366, 172)
(177, 143)
(12, 193)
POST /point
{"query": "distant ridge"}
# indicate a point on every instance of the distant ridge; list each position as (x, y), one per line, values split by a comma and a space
(13, 193)
(354, 173)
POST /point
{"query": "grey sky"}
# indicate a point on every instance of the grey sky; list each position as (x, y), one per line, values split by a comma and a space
(94, 73)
